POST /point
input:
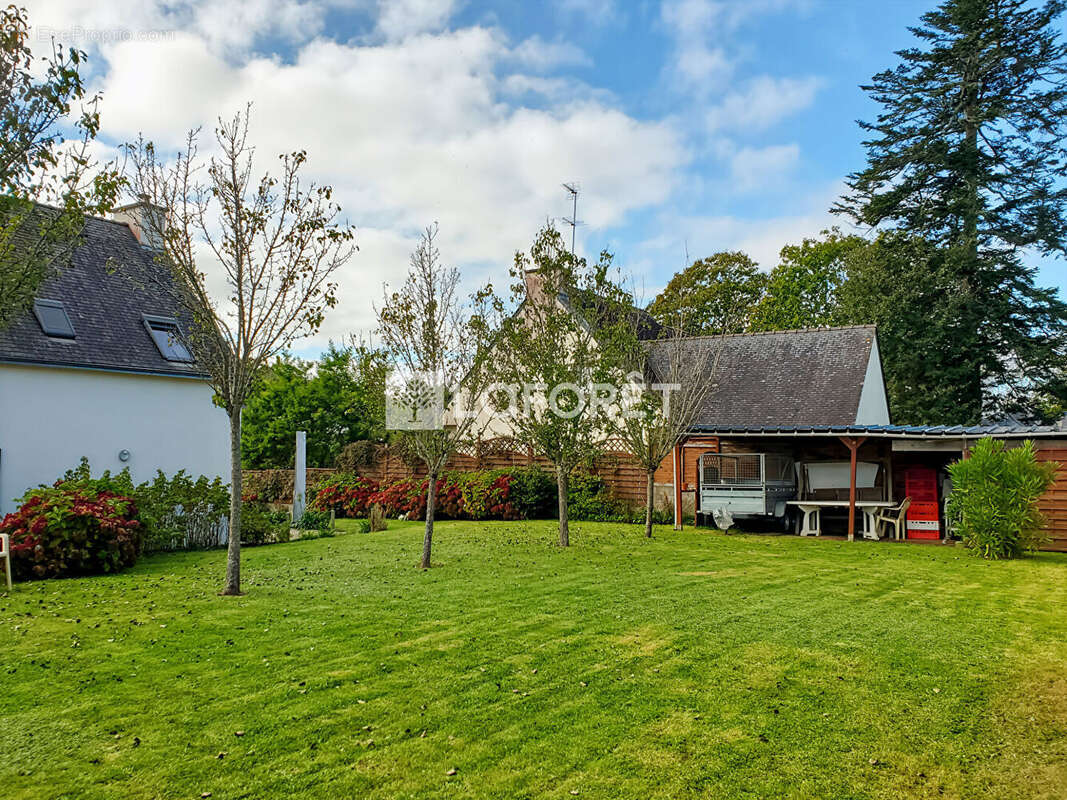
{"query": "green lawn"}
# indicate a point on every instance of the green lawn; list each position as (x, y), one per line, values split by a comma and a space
(691, 665)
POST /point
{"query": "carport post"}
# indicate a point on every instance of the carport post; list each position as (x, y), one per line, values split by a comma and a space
(853, 444)
(677, 459)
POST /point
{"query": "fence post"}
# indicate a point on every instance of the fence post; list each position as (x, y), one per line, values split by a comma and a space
(300, 476)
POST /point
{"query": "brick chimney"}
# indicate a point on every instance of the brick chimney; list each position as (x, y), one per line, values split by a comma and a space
(535, 286)
(137, 216)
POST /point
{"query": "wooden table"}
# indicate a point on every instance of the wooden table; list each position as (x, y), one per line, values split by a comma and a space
(810, 525)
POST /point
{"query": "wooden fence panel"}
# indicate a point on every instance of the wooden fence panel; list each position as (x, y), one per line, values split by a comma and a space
(1054, 504)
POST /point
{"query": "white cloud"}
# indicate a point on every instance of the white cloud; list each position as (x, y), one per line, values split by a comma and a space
(408, 131)
(699, 65)
(752, 168)
(537, 54)
(225, 27)
(596, 11)
(704, 58)
(416, 121)
(400, 18)
(762, 103)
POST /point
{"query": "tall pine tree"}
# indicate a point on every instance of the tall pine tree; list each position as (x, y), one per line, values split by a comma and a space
(969, 152)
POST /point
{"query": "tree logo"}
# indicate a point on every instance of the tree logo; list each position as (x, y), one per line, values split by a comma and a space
(414, 402)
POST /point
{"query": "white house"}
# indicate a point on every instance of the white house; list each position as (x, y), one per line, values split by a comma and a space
(93, 370)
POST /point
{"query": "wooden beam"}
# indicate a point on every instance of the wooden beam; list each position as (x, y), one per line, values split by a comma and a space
(853, 444)
(677, 456)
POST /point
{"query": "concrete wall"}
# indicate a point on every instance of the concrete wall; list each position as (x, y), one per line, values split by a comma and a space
(50, 418)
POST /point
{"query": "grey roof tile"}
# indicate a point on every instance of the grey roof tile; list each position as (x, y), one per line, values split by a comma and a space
(803, 377)
(110, 283)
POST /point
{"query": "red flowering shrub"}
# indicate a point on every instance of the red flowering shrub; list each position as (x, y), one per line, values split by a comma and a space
(403, 498)
(486, 495)
(345, 494)
(73, 529)
(508, 494)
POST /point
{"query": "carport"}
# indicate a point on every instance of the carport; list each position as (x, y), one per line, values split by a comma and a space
(900, 451)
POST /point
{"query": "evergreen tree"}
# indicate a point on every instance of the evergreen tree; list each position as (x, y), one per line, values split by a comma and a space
(969, 152)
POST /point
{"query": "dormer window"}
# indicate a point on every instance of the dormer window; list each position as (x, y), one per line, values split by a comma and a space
(53, 319)
(168, 338)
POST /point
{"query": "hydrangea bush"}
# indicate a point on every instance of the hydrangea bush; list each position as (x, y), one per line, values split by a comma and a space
(73, 529)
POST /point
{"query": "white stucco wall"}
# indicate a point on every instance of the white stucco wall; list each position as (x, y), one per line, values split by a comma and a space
(873, 407)
(50, 418)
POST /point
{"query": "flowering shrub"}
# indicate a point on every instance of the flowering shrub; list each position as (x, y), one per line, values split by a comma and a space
(486, 495)
(404, 498)
(504, 494)
(345, 494)
(72, 528)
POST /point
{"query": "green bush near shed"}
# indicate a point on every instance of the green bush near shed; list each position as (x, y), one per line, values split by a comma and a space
(995, 491)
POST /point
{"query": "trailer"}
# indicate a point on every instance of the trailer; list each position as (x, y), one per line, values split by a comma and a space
(746, 486)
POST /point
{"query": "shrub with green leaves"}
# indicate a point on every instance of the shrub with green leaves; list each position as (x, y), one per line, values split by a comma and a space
(533, 493)
(995, 491)
(180, 512)
(260, 525)
(313, 520)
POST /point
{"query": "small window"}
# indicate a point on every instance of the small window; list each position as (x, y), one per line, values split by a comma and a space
(167, 336)
(53, 319)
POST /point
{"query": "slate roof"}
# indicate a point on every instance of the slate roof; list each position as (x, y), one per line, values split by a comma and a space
(105, 289)
(810, 377)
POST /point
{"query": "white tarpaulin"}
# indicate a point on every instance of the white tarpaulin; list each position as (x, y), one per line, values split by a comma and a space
(834, 474)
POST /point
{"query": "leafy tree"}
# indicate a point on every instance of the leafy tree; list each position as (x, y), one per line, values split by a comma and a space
(337, 400)
(802, 290)
(969, 151)
(277, 242)
(712, 295)
(45, 138)
(567, 337)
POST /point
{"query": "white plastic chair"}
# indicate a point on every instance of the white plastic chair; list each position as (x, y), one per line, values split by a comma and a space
(895, 517)
(5, 553)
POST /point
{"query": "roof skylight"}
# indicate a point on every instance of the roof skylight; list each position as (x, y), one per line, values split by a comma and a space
(53, 319)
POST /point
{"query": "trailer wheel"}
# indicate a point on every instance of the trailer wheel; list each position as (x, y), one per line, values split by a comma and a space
(788, 522)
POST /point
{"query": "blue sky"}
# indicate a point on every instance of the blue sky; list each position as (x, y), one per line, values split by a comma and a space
(691, 125)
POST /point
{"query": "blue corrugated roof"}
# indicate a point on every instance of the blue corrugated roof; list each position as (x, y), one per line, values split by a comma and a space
(900, 431)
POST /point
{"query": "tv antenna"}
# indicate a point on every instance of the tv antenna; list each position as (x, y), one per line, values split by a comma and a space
(574, 222)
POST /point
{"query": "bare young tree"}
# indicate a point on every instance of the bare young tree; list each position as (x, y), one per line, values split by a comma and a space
(437, 346)
(672, 379)
(275, 241)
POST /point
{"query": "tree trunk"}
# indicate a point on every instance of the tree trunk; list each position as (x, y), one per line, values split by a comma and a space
(431, 504)
(562, 481)
(233, 548)
(648, 502)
